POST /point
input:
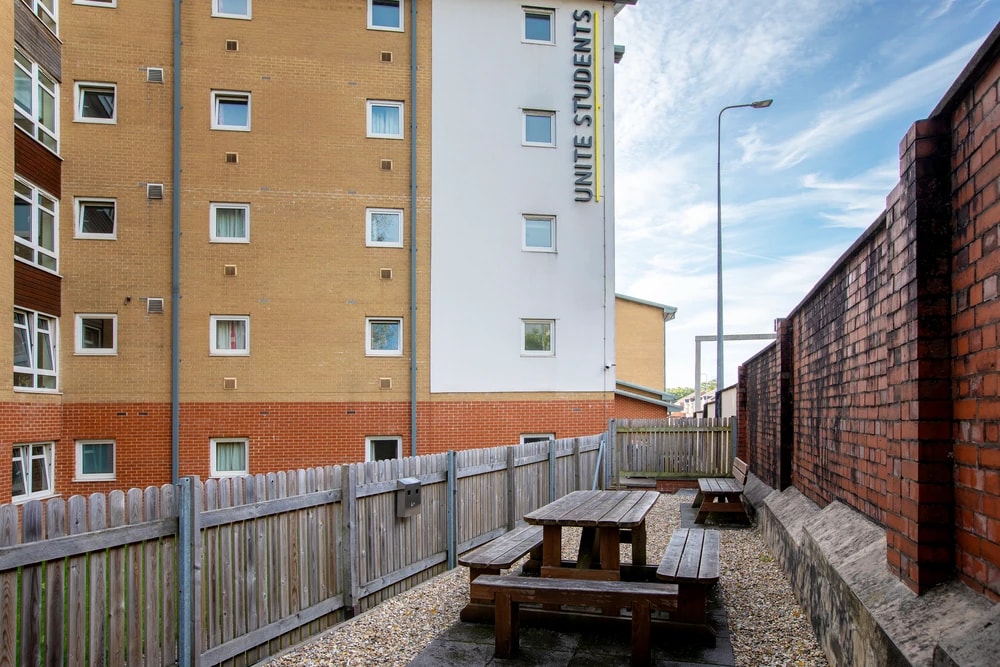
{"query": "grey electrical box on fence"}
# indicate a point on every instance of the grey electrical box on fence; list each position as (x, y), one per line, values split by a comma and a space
(407, 497)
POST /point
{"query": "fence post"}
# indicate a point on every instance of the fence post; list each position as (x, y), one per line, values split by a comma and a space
(349, 538)
(611, 468)
(552, 470)
(576, 464)
(452, 510)
(189, 575)
(511, 505)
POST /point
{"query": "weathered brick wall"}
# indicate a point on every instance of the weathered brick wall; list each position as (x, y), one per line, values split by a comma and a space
(632, 408)
(975, 354)
(892, 368)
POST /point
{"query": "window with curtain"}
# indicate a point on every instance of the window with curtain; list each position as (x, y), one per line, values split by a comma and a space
(95, 218)
(35, 95)
(34, 351)
(385, 120)
(96, 333)
(230, 223)
(230, 335)
(229, 457)
(35, 226)
(95, 459)
(32, 471)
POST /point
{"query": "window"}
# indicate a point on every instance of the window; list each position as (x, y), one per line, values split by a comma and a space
(95, 103)
(539, 233)
(35, 101)
(95, 460)
(536, 437)
(539, 128)
(385, 14)
(96, 333)
(35, 227)
(230, 223)
(32, 476)
(230, 335)
(34, 351)
(384, 227)
(538, 25)
(231, 9)
(539, 338)
(95, 218)
(47, 11)
(382, 448)
(385, 120)
(230, 110)
(97, 3)
(230, 457)
(384, 336)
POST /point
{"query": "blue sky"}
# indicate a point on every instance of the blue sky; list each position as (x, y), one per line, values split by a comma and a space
(800, 180)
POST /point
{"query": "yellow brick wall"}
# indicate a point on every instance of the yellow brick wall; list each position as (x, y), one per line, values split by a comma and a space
(639, 344)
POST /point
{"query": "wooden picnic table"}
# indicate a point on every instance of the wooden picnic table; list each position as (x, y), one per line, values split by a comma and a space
(605, 517)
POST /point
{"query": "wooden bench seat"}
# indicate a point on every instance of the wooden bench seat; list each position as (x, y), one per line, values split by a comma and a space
(502, 552)
(508, 592)
(692, 562)
(723, 495)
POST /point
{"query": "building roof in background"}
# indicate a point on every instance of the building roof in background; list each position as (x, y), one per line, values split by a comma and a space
(668, 311)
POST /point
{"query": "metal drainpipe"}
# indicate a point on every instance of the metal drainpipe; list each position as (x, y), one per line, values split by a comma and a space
(413, 227)
(175, 277)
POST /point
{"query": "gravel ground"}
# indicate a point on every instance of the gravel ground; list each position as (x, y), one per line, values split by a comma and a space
(767, 626)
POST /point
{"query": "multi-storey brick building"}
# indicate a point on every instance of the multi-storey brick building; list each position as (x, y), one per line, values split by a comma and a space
(254, 235)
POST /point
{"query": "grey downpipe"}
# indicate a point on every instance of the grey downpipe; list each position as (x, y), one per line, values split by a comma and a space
(413, 227)
(175, 270)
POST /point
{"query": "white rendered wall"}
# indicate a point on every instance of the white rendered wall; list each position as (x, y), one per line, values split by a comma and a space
(484, 180)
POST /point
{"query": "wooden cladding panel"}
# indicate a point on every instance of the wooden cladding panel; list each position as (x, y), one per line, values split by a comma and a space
(36, 41)
(37, 164)
(36, 289)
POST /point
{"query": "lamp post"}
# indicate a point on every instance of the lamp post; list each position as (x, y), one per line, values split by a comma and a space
(719, 381)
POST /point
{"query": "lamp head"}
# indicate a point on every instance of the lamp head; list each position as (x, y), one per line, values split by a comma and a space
(761, 104)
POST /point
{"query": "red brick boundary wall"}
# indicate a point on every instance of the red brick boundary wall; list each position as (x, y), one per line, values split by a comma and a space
(882, 390)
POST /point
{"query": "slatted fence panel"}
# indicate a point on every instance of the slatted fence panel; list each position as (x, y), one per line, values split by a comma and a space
(679, 448)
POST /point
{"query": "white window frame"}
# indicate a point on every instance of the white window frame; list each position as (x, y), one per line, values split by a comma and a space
(219, 96)
(551, 352)
(217, 12)
(79, 203)
(82, 476)
(213, 228)
(23, 452)
(42, 83)
(536, 437)
(80, 337)
(40, 202)
(97, 3)
(384, 103)
(369, 241)
(538, 113)
(370, 446)
(48, 15)
(214, 321)
(213, 461)
(371, 352)
(539, 11)
(34, 337)
(371, 23)
(83, 87)
(551, 219)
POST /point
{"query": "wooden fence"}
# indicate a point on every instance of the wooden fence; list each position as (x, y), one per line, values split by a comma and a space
(666, 448)
(260, 562)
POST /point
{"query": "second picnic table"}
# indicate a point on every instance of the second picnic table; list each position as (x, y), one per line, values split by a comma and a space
(606, 518)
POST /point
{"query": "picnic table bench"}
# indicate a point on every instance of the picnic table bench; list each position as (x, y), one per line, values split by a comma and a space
(721, 494)
(500, 553)
(692, 562)
(508, 592)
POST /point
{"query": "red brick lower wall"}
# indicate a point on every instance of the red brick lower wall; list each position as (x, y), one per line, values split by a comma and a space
(633, 408)
(283, 436)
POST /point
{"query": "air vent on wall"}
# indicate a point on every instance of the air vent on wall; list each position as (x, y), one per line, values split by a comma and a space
(387, 56)
(385, 383)
(154, 305)
(385, 274)
(232, 45)
(385, 165)
(154, 190)
(229, 383)
(154, 74)
(232, 158)
(229, 270)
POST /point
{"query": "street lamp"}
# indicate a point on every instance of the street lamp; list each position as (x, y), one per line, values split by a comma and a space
(719, 381)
